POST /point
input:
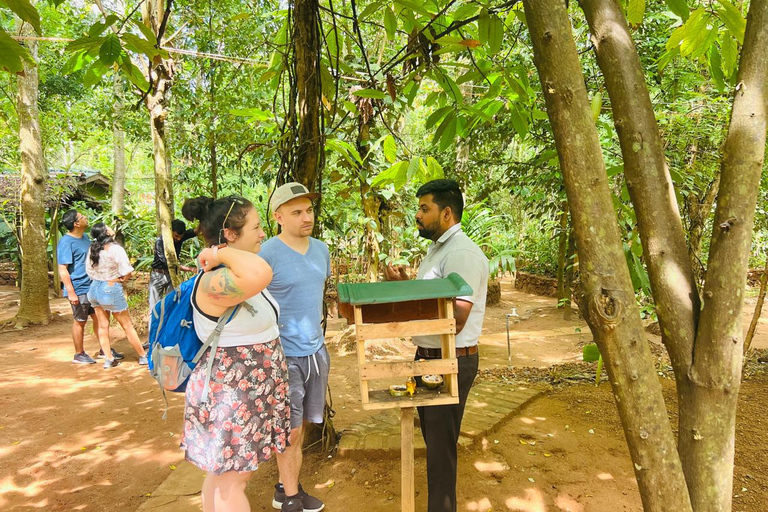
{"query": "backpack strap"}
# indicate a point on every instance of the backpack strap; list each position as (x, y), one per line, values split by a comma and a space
(213, 342)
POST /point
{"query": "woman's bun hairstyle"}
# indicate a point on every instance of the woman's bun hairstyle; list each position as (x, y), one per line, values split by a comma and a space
(196, 208)
(226, 212)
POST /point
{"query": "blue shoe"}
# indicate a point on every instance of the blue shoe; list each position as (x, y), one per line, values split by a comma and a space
(83, 358)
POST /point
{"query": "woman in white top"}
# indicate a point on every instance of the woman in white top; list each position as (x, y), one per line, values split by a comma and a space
(108, 267)
(245, 417)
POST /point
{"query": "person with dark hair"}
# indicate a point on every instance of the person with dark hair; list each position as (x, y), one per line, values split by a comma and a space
(246, 416)
(159, 277)
(71, 253)
(439, 219)
(108, 267)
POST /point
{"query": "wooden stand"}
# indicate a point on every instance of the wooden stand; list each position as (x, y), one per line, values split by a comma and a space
(445, 326)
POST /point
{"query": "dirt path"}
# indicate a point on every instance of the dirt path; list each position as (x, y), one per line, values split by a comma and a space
(83, 438)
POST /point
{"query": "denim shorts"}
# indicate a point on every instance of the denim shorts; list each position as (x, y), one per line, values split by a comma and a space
(108, 296)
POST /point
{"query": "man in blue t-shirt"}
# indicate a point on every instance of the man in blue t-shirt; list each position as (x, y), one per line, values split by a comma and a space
(301, 265)
(71, 253)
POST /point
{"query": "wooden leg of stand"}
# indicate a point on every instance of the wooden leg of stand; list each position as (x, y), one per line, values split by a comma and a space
(406, 458)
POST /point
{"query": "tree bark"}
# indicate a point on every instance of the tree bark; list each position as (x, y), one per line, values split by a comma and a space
(33, 307)
(568, 278)
(612, 313)
(758, 309)
(118, 178)
(161, 79)
(306, 42)
(562, 249)
(708, 416)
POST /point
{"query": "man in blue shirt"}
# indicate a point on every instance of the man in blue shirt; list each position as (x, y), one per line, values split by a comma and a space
(71, 253)
(301, 265)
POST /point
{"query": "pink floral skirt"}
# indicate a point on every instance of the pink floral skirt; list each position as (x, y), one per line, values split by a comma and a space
(247, 416)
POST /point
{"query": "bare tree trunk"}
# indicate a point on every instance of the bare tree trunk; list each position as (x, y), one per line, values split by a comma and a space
(609, 299)
(758, 309)
(153, 14)
(562, 249)
(306, 42)
(118, 179)
(34, 307)
(568, 278)
(708, 416)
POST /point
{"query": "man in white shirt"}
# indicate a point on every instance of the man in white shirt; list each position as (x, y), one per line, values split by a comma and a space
(439, 219)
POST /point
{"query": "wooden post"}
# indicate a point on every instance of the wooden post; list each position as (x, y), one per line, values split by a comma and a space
(361, 354)
(448, 345)
(406, 460)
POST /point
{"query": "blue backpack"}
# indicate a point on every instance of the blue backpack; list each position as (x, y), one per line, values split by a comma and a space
(174, 348)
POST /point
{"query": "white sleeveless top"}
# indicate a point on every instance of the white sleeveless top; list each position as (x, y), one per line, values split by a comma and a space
(245, 328)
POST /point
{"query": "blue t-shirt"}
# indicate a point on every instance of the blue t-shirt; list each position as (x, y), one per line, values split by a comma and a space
(72, 252)
(298, 284)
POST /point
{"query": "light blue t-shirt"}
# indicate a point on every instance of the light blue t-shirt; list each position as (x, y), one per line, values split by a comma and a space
(298, 284)
(72, 252)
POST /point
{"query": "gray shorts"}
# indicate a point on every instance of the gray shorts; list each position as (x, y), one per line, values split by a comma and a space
(308, 380)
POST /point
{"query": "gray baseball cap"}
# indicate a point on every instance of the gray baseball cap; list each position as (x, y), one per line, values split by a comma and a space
(289, 191)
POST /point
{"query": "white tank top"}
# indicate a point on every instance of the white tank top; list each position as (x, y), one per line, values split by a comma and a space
(245, 328)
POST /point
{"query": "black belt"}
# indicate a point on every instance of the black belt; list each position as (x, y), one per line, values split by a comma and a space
(437, 353)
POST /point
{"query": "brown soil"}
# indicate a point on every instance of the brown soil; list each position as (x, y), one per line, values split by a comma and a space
(83, 438)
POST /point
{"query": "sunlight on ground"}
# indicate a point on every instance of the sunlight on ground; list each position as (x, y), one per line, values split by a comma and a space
(490, 467)
(605, 476)
(568, 504)
(482, 505)
(529, 421)
(533, 502)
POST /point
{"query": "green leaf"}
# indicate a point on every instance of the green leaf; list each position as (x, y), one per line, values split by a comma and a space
(495, 34)
(85, 43)
(26, 11)
(345, 149)
(133, 73)
(148, 34)
(136, 44)
(94, 73)
(635, 12)
(413, 167)
(449, 135)
(666, 58)
(333, 45)
(390, 23)
(390, 149)
(98, 28)
(730, 53)
(596, 106)
(733, 20)
(679, 7)
(395, 174)
(110, 49)
(697, 33)
(369, 93)
(483, 26)
(415, 7)
(254, 113)
(465, 10)
(435, 169)
(716, 68)
(590, 353)
(77, 62)
(450, 117)
(519, 122)
(369, 9)
(12, 54)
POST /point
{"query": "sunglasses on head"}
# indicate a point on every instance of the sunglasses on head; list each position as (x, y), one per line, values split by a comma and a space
(233, 201)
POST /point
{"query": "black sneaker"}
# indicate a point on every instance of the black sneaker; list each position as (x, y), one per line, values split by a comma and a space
(310, 503)
(292, 505)
(115, 355)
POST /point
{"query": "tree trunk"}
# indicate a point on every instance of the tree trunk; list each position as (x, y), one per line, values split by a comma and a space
(34, 307)
(758, 309)
(118, 179)
(153, 14)
(306, 43)
(562, 249)
(568, 278)
(54, 256)
(708, 416)
(609, 298)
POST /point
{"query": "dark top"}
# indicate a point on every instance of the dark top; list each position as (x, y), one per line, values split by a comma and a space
(159, 262)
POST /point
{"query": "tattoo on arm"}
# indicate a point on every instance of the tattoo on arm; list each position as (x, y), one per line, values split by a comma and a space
(220, 284)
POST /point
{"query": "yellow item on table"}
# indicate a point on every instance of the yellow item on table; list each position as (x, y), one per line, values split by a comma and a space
(410, 386)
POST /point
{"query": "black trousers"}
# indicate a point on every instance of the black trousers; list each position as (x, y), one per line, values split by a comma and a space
(440, 425)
